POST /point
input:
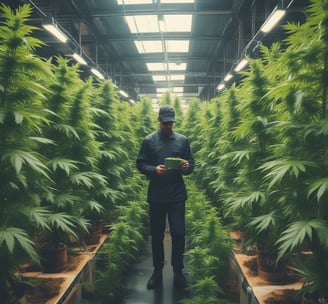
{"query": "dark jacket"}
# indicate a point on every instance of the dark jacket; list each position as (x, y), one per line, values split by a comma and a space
(154, 149)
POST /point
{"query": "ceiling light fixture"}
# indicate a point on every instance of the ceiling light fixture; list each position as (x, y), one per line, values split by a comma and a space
(79, 59)
(97, 73)
(220, 87)
(241, 65)
(51, 26)
(228, 77)
(124, 94)
(272, 20)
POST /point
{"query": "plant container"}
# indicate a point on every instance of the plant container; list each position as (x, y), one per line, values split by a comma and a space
(54, 259)
(93, 237)
(173, 162)
(268, 270)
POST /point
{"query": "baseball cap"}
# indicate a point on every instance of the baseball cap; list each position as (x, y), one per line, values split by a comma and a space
(166, 113)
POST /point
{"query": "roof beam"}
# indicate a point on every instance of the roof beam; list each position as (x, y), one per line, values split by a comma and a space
(172, 58)
(163, 12)
(149, 36)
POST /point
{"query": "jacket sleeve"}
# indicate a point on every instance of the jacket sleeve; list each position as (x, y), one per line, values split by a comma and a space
(144, 160)
(189, 157)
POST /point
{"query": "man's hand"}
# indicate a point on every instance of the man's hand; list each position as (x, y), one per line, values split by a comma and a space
(184, 166)
(161, 170)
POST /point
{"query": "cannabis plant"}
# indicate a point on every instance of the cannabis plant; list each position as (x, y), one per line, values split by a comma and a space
(225, 170)
(120, 251)
(116, 144)
(208, 247)
(89, 184)
(179, 115)
(206, 292)
(143, 118)
(208, 152)
(23, 174)
(200, 146)
(64, 199)
(190, 128)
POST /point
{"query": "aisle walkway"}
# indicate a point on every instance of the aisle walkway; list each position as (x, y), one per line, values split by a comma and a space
(136, 290)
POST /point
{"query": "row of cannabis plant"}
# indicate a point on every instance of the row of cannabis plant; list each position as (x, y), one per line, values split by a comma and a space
(119, 252)
(66, 149)
(208, 249)
(263, 150)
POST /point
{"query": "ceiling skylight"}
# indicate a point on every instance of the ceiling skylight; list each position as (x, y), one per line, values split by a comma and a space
(177, 46)
(161, 66)
(156, 46)
(177, 1)
(177, 89)
(149, 46)
(149, 23)
(172, 77)
(156, 66)
(177, 77)
(127, 2)
(159, 77)
(177, 67)
(143, 24)
(170, 90)
(162, 90)
(178, 23)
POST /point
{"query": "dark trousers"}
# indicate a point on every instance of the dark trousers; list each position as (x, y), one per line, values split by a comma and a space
(175, 211)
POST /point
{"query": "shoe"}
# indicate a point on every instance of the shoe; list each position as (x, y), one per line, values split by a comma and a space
(155, 280)
(179, 280)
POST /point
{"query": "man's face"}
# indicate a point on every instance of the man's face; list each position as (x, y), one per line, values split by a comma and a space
(166, 127)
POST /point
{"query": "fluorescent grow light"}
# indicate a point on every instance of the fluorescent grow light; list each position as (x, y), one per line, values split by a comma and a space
(241, 65)
(50, 25)
(272, 20)
(97, 73)
(79, 59)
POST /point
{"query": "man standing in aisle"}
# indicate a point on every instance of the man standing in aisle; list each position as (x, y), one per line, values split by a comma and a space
(166, 193)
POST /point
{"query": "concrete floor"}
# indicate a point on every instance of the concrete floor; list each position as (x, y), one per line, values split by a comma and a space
(136, 284)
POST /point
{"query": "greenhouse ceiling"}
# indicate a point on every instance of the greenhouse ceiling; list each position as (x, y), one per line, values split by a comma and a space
(147, 47)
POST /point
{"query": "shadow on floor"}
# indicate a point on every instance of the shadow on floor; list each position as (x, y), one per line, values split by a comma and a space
(136, 291)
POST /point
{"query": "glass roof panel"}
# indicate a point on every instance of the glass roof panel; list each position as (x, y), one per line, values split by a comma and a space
(162, 90)
(155, 46)
(181, 46)
(177, 67)
(177, 89)
(142, 23)
(173, 77)
(159, 77)
(171, 90)
(177, 77)
(149, 46)
(156, 66)
(149, 23)
(161, 66)
(178, 23)
(177, 1)
(127, 2)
